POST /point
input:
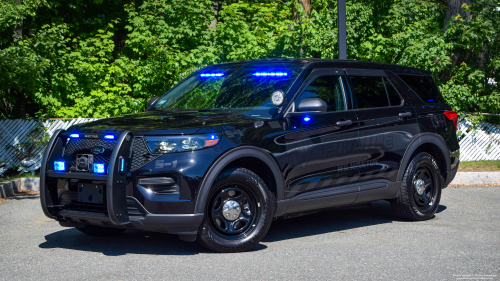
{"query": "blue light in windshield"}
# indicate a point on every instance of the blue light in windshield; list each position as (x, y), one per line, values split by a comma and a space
(272, 74)
(431, 100)
(211, 74)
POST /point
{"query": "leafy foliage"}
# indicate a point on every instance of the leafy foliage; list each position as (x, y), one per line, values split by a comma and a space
(75, 58)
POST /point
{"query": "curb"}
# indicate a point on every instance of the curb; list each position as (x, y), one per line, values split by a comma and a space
(10, 188)
(476, 178)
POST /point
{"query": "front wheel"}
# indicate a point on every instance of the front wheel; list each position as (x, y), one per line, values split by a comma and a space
(238, 213)
(420, 189)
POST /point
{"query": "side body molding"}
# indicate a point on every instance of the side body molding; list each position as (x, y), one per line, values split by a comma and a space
(419, 140)
(228, 157)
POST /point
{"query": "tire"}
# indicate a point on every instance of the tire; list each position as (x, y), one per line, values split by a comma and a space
(99, 231)
(238, 213)
(419, 200)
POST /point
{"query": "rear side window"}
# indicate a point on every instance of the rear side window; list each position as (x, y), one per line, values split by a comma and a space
(369, 91)
(424, 87)
(394, 97)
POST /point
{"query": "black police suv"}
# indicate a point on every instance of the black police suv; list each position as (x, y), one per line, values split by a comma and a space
(235, 145)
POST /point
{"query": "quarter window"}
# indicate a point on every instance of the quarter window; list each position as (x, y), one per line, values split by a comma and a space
(424, 87)
(327, 88)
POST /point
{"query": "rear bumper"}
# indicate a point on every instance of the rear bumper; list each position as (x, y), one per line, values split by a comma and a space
(450, 174)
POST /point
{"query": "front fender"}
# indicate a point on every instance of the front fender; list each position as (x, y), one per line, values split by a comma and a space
(221, 163)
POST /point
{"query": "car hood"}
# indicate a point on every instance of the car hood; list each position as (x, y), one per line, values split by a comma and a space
(166, 123)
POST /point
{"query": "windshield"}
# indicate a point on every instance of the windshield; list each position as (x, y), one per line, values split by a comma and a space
(223, 87)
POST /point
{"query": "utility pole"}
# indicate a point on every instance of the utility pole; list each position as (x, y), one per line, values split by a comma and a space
(342, 29)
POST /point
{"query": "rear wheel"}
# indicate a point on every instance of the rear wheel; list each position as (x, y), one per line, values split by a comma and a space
(238, 213)
(99, 231)
(420, 189)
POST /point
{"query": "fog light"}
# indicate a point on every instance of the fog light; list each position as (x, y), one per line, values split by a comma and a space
(59, 166)
(99, 168)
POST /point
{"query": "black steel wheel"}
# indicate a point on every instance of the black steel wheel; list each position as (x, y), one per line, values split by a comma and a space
(420, 189)
(238, 212)
(233, 211)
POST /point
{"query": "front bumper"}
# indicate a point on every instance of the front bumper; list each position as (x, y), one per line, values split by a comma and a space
(118, 210)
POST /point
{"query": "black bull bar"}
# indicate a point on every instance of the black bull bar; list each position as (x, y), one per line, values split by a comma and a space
(115, 179)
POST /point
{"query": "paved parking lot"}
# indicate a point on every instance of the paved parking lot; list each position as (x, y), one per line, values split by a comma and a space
(461, 243)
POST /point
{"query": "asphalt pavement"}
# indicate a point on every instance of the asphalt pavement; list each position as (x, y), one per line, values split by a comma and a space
(462, 242)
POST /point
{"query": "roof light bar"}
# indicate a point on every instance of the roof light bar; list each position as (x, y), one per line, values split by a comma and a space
(279, 74)
(211, 74)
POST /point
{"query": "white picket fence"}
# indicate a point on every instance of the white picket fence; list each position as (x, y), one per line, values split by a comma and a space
(18, 141)
(481, 142)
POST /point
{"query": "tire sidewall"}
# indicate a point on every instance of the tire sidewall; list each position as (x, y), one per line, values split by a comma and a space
(419, 160)
(265, 206)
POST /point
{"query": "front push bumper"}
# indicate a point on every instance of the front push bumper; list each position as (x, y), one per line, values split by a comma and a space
(122, 211)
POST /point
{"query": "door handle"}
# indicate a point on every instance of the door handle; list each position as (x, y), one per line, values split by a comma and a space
(344, 123)
(405, 114)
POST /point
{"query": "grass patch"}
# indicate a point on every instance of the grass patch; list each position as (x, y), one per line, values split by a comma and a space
(479, 166)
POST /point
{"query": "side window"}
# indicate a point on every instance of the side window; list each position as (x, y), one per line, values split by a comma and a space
(370, 91)
(424, 87)
(394, 97)
(327, 88)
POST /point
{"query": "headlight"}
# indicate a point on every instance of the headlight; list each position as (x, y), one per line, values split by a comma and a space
(172, 144)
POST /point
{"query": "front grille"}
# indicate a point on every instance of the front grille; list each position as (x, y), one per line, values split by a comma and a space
(140, 154)
(83, 146)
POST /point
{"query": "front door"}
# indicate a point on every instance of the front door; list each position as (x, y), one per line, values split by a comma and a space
(322, 147)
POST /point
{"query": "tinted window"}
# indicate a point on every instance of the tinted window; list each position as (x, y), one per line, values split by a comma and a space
(394, 97)
(369, 91)
(424, 87)
(329, 89)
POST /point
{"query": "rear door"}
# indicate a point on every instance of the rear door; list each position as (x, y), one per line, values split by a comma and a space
(387, 124)
(322, 148)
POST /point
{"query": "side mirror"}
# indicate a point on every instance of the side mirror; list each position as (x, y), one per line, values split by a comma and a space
(151, 101)
(312, 104)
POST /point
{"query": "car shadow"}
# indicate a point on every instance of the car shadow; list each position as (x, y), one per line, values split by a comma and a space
(334, 220)
(150, 243)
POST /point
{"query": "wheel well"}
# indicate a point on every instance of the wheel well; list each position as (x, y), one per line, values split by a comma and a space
(434, 150)
(259, 167)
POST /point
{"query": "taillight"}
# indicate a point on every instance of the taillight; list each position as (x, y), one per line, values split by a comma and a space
(453, 116)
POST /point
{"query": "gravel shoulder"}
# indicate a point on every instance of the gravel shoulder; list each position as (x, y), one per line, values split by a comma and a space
(463, 240)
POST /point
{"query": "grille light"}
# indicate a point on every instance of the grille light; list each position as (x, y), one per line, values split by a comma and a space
(122, 164)
(99, 168)
(307, 119)
(59, 166)
(109, 137)
(74, 136)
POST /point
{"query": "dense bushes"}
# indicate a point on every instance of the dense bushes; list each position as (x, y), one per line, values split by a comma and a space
(76, 58)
